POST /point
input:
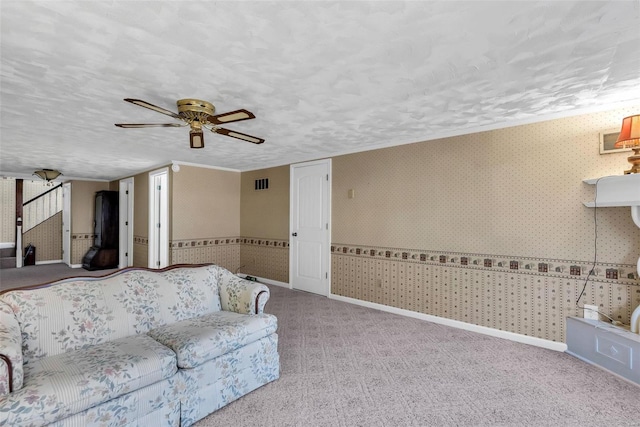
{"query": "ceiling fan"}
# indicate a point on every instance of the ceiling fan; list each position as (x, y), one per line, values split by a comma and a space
(198, 115)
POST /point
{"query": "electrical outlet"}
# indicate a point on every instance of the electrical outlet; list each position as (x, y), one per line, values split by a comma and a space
(591, 312)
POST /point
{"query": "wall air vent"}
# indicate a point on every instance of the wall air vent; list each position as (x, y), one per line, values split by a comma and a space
(262, 184)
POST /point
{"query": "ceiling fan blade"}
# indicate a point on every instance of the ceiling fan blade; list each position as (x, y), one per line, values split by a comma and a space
(232, 116)
(145, 104)
(239, 135)
(150, 125)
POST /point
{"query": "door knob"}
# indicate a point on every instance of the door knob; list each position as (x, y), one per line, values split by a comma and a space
(294, 234)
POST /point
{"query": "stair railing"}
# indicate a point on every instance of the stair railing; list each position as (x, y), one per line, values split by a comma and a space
(41, 208)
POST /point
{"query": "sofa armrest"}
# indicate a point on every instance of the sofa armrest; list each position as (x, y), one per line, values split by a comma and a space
(11, 370)
(242, 296)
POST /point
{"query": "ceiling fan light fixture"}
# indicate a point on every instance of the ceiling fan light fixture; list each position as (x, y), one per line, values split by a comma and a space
(196, 139)
(47, 174)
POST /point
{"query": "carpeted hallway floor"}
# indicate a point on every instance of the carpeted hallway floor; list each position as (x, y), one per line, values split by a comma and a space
(45, 273)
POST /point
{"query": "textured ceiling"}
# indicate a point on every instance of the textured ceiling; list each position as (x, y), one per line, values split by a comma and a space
(322, 78)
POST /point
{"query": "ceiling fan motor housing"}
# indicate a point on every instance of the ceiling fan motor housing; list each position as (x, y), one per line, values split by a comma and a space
(195, 109)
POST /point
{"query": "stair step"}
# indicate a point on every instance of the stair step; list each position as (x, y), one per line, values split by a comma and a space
(8, 262)
(7, 252)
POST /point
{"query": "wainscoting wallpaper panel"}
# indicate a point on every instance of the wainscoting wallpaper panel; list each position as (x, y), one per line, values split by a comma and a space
(140, 251)
(266, 258)
(529, 296)
(224, 252)
(7, 210)
(80, 244)
(47, 239)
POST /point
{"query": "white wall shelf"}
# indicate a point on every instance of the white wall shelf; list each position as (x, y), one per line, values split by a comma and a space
(616, 191)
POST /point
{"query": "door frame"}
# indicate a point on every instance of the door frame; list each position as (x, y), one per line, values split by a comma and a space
(159, 208)
(327, 254)
(125, 251)
(66, 223)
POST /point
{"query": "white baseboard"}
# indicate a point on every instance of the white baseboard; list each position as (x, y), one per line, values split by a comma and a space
(6, 245)
(49, 261)
(75, 265)
(266, 281)
(512, 336)
(538, 342)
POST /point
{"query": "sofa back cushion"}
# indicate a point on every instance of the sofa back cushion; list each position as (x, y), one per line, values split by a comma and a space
(75, 313)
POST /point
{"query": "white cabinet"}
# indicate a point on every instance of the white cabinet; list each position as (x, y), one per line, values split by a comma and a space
(610, 347)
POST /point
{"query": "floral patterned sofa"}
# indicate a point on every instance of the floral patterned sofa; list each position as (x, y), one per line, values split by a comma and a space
(138, 347)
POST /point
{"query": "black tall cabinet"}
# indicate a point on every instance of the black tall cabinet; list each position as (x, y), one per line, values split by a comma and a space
(104, 252)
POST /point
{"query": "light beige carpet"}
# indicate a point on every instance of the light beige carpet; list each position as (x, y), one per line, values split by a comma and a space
(345, 365)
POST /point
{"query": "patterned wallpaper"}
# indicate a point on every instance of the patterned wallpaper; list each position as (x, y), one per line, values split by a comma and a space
(204, 202)
(265, 213)
(266, 258)
(32, 189)
(515, 191)
(7, 210)
(223, 251)
(504, 238)
(80, 245)
(530, 296)
(140, 251)
(258, 257)
(47, 239)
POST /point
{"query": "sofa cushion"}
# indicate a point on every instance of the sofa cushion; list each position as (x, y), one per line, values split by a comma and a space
(203, 338)
(58, 386)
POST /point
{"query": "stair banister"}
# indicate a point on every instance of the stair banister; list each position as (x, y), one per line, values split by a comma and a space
(19, 246)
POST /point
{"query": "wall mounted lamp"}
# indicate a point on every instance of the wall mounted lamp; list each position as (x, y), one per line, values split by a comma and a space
(630, 138)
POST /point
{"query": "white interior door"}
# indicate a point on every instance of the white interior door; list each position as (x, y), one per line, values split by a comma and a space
(66, 224)
(125, 206)
(310, 226)
(158, 219)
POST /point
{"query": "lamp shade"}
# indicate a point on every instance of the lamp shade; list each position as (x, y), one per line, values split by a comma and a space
(629, 133)
(48, 174)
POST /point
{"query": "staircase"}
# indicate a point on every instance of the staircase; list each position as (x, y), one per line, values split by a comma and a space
(34, 212)
(41, 208)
